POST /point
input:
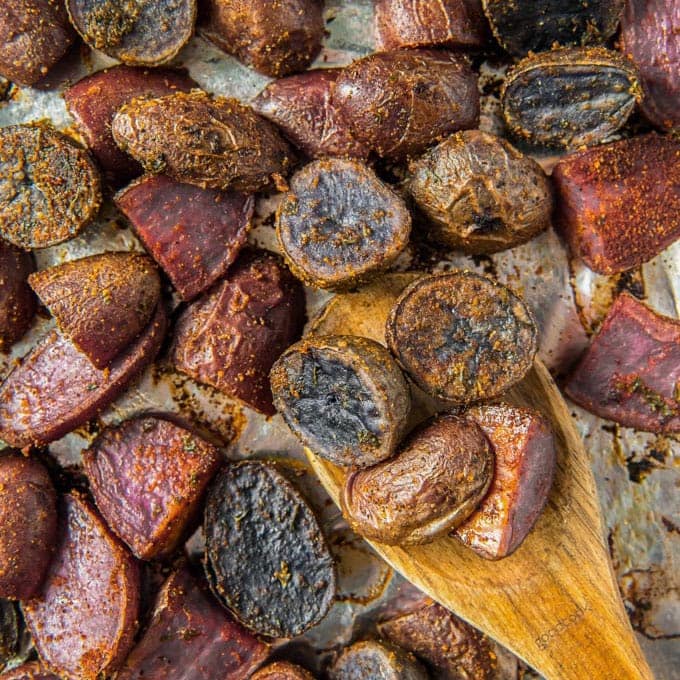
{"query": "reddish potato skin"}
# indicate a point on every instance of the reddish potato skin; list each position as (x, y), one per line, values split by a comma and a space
(194, 234)
(84, 620)
(282, 670)
(34, 36)
(54, 389)
(526, 459)
(631, 371)
(191, 636)
(94, 100)
(28, 525)
(618, 205)
(302, 106)
(148, 478)
(231, 337)
(33, 670)
(17, 302)
(400, 102)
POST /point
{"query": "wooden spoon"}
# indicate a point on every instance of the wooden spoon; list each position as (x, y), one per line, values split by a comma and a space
(555, 601)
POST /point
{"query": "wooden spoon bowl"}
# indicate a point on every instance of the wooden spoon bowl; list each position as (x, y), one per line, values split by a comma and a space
(555, 601)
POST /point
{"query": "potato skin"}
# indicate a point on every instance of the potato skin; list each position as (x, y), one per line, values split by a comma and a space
(212, 142)
(400, 102)
(275, 37)
(28, 525)
(33, 670)
(34, 36)
(371, 659)
(432, 485)
(282, 670)
(481, 194)
(17, 302)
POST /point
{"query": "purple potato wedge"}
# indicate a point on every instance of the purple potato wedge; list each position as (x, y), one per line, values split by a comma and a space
(17, 302)
(379, 660)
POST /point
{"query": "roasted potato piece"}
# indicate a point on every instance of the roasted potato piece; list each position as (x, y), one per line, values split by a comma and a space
(265, 556)
(231, 337)
(432, 485)
(28, 525)
(55, 389)
(340, 225)
(480, 193)
(618, 205)
(33, 670)
(212, 142)
(94, 100)
(462, 337)
(9, 630)
(378, 660)
(49, 187)
(17, 302)
(631, 372)
(84, 620)
(526, 457)
(398, 103)
(282, 670)
(34, 36)
(194, 234)
(275, 37)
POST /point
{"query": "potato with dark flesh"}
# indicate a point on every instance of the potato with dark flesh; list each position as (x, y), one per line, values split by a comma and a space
(340, 225)
(84, 620)
(631, 372)
(212, 142)
(136, 32)
(34, 36)
(148, 477)
(265, 556)
(33, 670)
(17, 302)
(434, 483)
(194, 234)
(275, 37)
(344, 397)
(618, 205)
(570, 97)
(9, 631)
(49, 186)
(28, 525)
(190, 636)
(302, 106)
(231, 336)
(94, 101)
(378, 661)
(480, 193)
(101, 302)
(462, 337)
(55, 388)
(398, 103)
(282, 670)
(526, 458)
(423, 23)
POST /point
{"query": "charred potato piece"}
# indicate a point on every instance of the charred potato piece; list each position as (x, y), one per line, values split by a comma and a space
(33, 670)
(378, 661)
(462, 337)
(212, 142)
(101, 302)
(302, 106)
(231, 336)
(265, 556)
(570, 97)
(398, 103)
(28, 525)
(148, 477)
(94, 101)
(84, 620)
(526, 458)
(275, 37)
(480, 193)
(618, 205)
(523, 26)
(340, 225)
(34, 36)
(194, 234)
(55, 388)
(282, 670)
(136, 32)
(344, 397)
(432, 485)
(17, 302)
(49, 187)
(191, 636)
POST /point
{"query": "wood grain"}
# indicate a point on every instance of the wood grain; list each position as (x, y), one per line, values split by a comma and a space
(554, 602)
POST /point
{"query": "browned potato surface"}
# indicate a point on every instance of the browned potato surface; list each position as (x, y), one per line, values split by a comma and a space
(17, 302)
(33, 670)
(379, 660)
(282, 670)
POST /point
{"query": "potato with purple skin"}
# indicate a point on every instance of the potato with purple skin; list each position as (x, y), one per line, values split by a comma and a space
(17, 302)
(379, 660)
